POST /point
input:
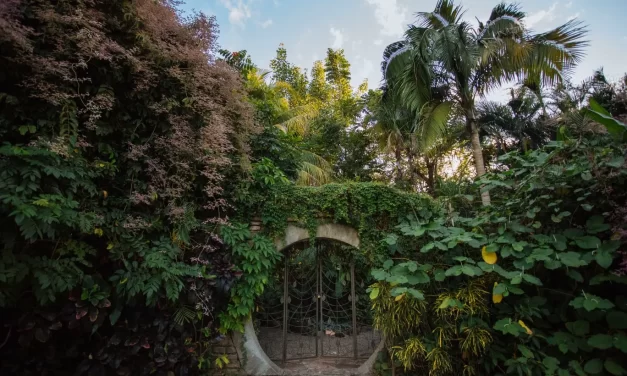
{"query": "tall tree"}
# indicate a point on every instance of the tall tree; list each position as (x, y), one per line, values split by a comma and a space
(518, 123)
(444, 55)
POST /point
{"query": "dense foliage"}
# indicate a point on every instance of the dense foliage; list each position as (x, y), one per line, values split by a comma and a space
(117, 129)
(533, 285)
(134, 154)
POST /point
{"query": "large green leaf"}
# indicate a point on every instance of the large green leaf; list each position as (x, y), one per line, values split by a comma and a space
(601, 341)
(617, 129)
(572, 259)
(595, 224)
(614, 367)
(588, 242)
(593, 366)
(620, 342)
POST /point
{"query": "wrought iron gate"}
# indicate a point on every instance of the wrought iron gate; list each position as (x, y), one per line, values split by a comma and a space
(318, 308)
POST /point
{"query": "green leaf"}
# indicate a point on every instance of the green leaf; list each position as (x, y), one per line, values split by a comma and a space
(115, 315)
(524, 350)
(391, 239)
(574, 274)
(380, 274)
(396, 291)
(397, 279)
(595, 224)
(593, 366)
(586, 175)
(617, 129)
(617, 320)
(604, 259)
(614, 368)
(551, 363)
(579, 328)
(420, 277)
(620, 342)
(416, 294)
(507, 326)
(572, 259)
(439, 275)
(374, 293)
(601, 341)
(532, 279)
(588, 242)
(388, 264)
(499, 289)
(454, 271)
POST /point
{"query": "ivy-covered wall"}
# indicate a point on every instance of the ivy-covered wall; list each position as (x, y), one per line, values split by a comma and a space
(533, 284)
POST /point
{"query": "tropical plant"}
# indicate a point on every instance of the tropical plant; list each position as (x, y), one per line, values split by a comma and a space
(532, 286)
(118, 129)
(444, 58)
(517, 124)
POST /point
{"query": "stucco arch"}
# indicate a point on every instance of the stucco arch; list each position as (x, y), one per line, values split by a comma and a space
(255, 360)
(331, 231)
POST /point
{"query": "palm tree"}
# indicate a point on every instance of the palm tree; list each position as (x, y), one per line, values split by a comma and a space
(401, 133)
(444, 56)
(520, 122)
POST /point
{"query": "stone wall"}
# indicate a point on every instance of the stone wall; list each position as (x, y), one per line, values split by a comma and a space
(226, 346)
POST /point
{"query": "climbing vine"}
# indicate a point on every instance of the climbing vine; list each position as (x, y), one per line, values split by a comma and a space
(531, 285)
(372, 209)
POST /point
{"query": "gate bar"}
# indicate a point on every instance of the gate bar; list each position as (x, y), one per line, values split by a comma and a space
(285, 306)
(321, 322)
(318, 293)
(353, 300)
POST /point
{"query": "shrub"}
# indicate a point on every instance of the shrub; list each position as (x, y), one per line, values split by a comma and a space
(117, 128)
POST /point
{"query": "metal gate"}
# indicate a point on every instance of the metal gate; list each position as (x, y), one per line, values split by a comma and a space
(318, 307)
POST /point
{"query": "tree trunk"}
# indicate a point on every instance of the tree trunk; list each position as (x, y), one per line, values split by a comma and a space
(431, 174)
(399, 168)
(477, 152)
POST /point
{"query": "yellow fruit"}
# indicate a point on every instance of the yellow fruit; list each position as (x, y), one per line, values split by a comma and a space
(489, 258)
(497, 298)
(98, 231)
(105, 194)
(398, 298)
(522, 323)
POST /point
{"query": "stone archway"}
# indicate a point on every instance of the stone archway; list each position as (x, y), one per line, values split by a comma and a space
(255, 361)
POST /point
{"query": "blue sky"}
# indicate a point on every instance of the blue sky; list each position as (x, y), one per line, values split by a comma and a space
(364, 27)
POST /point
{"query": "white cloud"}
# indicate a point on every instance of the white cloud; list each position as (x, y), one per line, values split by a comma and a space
(365, 69)
(569, 4)
(239, 11)
(338, 38)
(378, 42)
(390, 16)
(541, 15)
(267, 23)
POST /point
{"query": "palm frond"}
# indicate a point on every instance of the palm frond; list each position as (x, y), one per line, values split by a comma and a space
(507, 10)
(299, 118)
(559, 49)
(444, 14)
(432, 123)
(184, 315)
(313, 170)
